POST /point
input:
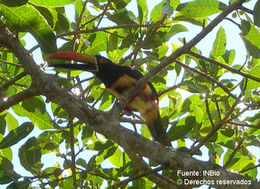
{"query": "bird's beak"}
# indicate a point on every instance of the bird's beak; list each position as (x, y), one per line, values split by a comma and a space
(83, 62)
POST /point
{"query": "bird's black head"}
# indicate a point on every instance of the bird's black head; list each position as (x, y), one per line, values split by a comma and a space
(107, 71)
(102, 67)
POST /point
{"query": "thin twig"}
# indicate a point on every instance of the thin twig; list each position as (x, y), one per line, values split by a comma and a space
(10, 63)
(171, 88)
(168, 60)
(143, 42)
(73, 157)
(229, 19)
(249, 168)
(233, 153)
(207, 77)
(103, 13)
(12, 81)
(208, 112)
(244, 125)
(123, 26)
(225, 66)
(246, 10)
(126, 181)
(217, 127)
(27, 93)
(98, 16)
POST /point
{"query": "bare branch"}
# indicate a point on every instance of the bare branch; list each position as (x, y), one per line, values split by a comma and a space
(246, 10)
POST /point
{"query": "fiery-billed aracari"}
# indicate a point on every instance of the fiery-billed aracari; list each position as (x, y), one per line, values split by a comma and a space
(118, 79)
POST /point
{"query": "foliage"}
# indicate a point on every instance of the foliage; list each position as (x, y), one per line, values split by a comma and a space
(220, 112)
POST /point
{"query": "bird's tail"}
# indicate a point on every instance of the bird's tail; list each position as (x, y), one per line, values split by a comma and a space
(154, 121)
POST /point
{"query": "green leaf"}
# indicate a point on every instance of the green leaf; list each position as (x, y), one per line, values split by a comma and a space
(19, 184)
(7, 173)
(140, 183)
(251, 84)
(12, 122)
(120, 18)
(145, 131)
(62, 24)
(227, 132)
(175, 29)
(198, 114)
(199, 8)
(117, 158)
(81, 162)
(2, 124)
(68, 183)
(99, 43)
(251, 37)
(156, 14)
(250, 33)
(120, 5)
(142, 11)
(229, 56)
(42, 121)
(174, 4)
(219, 46)
(162, 50)
(13, 3)
(167, 9)
(181, 128)
(27, 18)
(256, 14)
(108, 152)
(30, 155)
(31, 104)
(49, 141)
(112, 42)
(56, 3)
(6, 153)
(16, 135)
(87, 132)
(106, 102)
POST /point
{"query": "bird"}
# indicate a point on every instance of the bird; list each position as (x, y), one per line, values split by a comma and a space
(118, 79)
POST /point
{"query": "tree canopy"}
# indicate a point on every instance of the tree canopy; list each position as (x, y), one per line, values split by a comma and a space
(68, 131)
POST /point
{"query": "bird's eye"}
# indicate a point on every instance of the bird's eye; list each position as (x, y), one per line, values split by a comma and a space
(103, 61)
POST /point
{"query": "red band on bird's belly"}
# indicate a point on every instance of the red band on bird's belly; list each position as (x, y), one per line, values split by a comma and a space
(132, 99)
(144, 87)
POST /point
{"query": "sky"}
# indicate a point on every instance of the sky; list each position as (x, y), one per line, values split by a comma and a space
(233, 41)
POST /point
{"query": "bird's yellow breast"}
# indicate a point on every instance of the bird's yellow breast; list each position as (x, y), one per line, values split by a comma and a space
(141, 101)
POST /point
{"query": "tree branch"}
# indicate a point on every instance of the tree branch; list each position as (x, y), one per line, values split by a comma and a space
(224, 66)
(161, 181)
(73, 157)
(216, 128)
(207, 77)
(168, 60)
(101, 121)
(4, 105)
(123, 26)
(12, 81)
